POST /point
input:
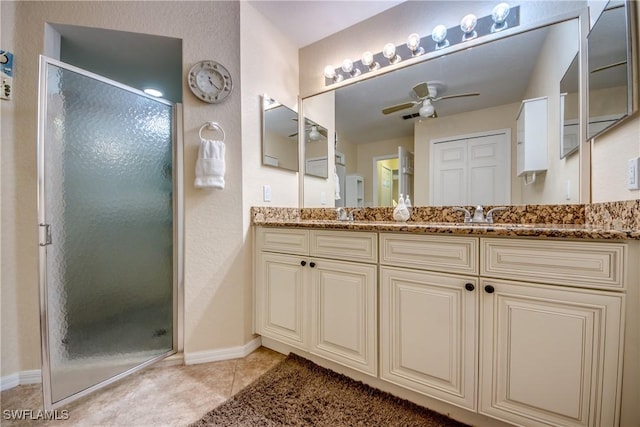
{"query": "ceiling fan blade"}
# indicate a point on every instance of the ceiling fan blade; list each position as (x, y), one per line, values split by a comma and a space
(399, 107)
(292, 135)
(323, 132)
(421, 90)
(606, 67)
(459, 95)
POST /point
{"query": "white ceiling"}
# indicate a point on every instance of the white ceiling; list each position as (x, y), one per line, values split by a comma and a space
(329, 17)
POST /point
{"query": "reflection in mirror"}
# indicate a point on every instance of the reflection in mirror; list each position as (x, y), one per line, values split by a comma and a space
(316, 156)
(570, 110)
(609, 69)
(279, 135)
(464, 144)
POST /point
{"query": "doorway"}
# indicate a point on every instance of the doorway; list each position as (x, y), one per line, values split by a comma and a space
(108, 211)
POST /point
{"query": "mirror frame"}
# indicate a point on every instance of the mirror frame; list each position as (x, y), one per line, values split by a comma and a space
(632, 68)
(584, 148)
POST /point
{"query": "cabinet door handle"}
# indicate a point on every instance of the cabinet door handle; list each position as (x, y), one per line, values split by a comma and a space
(489, 289)
(312, 264)
(469, 287)
(303, 263)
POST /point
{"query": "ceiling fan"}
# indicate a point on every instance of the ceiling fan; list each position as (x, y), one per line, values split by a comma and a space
(426, 94)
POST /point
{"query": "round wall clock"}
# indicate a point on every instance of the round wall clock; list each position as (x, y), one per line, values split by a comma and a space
(210, 81)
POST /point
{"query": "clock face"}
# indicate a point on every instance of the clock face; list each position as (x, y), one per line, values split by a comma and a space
(210, 81)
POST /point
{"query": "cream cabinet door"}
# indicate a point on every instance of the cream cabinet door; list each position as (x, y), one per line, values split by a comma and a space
(344, 313)
(549, 355)
(428, 333)
(281, 298)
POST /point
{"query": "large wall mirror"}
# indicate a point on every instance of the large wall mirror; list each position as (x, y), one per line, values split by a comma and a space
(610, 70)
(462, 147)
(279, 135)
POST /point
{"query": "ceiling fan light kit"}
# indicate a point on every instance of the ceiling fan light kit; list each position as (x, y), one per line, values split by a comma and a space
(426, 94)
(502, 16)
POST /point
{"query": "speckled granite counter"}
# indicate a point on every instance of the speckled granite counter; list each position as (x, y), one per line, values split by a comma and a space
(545, 221)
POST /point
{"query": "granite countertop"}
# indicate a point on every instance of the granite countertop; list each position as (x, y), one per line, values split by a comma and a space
(574, 231)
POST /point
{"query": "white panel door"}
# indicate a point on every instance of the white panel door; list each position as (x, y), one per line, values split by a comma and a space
(281, 298)
(449, 177)
(475, 170)
(489, 174)
(550, 356)
(428, 331)
(344, 313)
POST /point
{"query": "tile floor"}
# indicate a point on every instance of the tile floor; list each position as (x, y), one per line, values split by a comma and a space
(163, 396)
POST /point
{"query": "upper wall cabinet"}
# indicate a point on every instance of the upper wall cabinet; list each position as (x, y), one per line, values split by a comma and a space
(610, 77)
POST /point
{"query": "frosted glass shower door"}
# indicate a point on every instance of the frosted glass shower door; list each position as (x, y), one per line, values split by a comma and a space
(105, 186)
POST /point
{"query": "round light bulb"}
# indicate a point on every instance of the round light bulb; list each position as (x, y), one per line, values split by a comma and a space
(367, 58)
(389, 50)
(369, 61)
(500, 12)
(413, 41)
(347, 65)
(329, 72)
(427, 109)
(468, 23)
(314, 135)
(439, 34)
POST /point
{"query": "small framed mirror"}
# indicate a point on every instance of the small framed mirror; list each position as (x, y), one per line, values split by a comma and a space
(570, 110)
(609, 56)
(279, 135)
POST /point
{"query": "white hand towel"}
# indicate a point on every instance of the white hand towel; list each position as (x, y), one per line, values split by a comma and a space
(210, 166)
(336, 180)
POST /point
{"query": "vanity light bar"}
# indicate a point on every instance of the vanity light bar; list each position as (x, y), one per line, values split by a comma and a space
(502, 17)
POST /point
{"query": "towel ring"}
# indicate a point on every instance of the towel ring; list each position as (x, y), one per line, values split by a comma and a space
(212, 126)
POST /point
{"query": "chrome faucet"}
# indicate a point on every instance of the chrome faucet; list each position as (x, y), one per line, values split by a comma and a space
(350, 216)
(490, 213)
(467, 214)
(478, 214)
(341, 214)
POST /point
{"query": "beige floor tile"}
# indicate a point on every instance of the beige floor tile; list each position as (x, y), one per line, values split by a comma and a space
(167, 396)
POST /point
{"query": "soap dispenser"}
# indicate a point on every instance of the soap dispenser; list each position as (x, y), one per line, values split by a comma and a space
(400, 212)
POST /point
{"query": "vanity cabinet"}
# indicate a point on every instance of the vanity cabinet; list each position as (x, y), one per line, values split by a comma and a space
(317, 291)
(428, 319)
(533, 325)
(526, 331)
(551, 346)
(531, 127)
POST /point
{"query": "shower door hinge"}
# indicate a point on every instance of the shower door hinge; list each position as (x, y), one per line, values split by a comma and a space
(47, 234)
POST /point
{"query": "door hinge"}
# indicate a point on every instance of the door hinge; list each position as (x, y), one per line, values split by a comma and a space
(47, 234)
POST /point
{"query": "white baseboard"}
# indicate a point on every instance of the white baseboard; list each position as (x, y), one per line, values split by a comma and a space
(222, 354)
(20, 378)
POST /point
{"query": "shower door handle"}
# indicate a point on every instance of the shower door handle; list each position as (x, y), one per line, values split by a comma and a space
(47, 234)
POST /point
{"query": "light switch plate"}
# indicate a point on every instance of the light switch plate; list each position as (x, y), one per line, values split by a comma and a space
(266, 193)
(633, 172)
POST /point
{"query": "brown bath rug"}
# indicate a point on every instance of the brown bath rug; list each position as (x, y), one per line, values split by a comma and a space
(297, 392)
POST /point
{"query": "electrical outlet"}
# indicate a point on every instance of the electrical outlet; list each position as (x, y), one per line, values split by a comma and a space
(633, 174)
(266, 193)
(323, 198)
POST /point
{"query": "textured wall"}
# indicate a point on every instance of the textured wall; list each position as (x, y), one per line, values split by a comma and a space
(215, 277)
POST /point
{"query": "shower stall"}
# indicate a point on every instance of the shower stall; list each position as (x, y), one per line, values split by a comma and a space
(109, 230)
